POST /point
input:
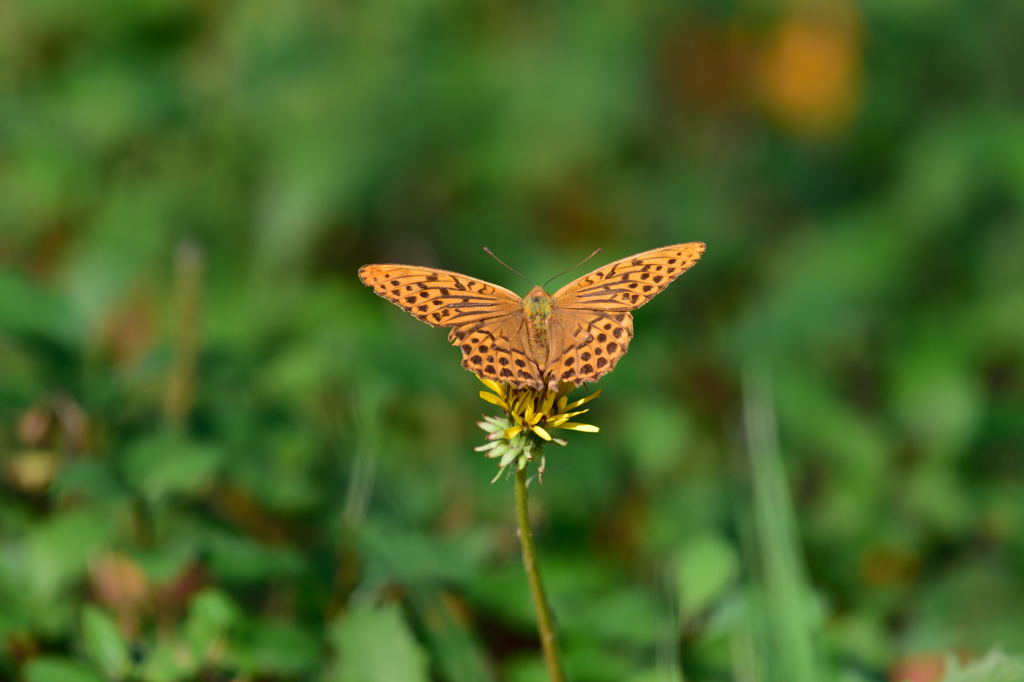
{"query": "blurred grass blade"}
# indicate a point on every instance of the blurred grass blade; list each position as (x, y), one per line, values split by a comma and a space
(790, 651)
(180, 391)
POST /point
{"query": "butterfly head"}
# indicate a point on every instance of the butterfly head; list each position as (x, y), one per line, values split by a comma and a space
(537, 304)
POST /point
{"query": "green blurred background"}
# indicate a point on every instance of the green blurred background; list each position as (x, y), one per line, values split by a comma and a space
(223, 458)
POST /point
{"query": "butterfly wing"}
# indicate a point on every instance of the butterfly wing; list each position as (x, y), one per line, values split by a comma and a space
(486, 320)
(439, 297)
(584, 345)
(499, 349)
(631, 282)
(591, 325)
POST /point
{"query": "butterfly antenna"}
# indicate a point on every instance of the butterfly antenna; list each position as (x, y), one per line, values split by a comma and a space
(563, 272)
(491, 254)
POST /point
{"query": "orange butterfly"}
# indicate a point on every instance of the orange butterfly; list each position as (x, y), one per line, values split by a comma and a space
(575, 335)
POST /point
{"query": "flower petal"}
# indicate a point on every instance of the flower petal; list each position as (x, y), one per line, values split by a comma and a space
(493, 385)
(528, 411)
(586, 428)
(540, 432)
(516, 407)
(584, 400)
(560, 419)
(493, 399)
(549, 400)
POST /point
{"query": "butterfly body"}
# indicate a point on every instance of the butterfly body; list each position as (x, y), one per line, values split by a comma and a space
(537, 308)
(575, 335)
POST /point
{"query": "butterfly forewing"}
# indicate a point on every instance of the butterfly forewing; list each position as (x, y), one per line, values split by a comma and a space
(487, 321)
(439, 297)
(631, 282)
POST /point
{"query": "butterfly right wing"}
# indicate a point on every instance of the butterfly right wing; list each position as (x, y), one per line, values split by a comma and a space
(630, 282)
(584, 345)
(486, 320)
(591, 325)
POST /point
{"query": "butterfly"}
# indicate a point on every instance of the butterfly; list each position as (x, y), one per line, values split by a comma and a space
(575, 335)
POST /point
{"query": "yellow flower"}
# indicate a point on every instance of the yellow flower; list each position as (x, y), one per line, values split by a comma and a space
(530, 415)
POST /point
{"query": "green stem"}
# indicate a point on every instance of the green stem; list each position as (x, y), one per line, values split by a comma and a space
(545, 623)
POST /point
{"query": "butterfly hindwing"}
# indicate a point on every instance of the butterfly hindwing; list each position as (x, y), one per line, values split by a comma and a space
(584, 345)
(498, 349)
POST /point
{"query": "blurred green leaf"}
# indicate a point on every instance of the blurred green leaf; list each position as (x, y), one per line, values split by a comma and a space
(625, 616)
(598, 662)
(936, 398)
(26, 308)
(91, 480)
(526, 669)
(169, 661)
(658, 435)
(936, 493)
(104, 643)
(705, 566)
(657, 675)
(166, 465)
(376, 645)
(994, 667)
(210, 617)
(54, 669)
(412, 557)
(242, 559)
(60, 549)
(277, 647)
(974, 603)
(860, 636)
(453, 646)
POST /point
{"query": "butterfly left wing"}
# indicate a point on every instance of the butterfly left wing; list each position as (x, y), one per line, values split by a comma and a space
(486, 320)
(499, 349)
(439, 297)
(591, 324)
